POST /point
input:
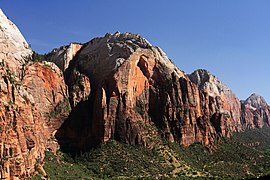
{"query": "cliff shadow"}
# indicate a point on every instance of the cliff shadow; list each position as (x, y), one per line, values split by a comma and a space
(79, 131)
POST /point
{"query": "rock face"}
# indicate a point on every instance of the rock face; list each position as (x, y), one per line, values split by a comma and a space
(256, 101)
(118, 87)
(63, 55)
(221, 99)
(138, 93)
(255, 112)
(33, 104)
(45, 82)
(13, 46)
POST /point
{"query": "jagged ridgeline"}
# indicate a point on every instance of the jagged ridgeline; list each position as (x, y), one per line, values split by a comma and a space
(118, 89)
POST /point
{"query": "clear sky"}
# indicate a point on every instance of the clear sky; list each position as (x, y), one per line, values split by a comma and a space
(230, 38)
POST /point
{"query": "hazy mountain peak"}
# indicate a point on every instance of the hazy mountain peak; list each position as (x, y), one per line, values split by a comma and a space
(208, 82)
(256, 101)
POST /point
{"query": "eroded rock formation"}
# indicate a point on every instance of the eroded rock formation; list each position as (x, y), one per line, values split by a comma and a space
(255, 112)
(118, 87)
(63, 55)
(136, 90)
(33, 104)
(222, 101)
(14, 48)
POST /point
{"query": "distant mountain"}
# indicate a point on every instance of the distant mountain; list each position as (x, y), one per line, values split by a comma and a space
(256, 101)
(255, 112)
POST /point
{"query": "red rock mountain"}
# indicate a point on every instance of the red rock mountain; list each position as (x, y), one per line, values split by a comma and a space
(137, 93)
(255, 112)
(221, 100)
(114, 87)
(33, 104)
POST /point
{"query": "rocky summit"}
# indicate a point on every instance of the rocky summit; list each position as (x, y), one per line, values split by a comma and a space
(255, 112)
(116, 87)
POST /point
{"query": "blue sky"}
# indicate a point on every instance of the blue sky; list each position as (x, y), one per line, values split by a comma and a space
(230, 38)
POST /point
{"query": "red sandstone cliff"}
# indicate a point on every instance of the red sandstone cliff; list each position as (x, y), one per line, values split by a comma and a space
(33, 104)
(137, 93)
(119, 87)
(222, 101)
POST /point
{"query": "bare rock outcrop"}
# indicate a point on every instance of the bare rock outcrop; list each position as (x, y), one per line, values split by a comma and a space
(44, 81)
(79, 83)
(29, 117)
(137, 93)
(13, 47)
(256, 101)
(114, 87)
(63, 55)
(222, 100)
(33, 104)
(255, 112)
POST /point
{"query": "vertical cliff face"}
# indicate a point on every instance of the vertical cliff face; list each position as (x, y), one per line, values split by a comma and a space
(118, 87)
(26, 120)
(116, 107)
(255, 112)
(33, 104)
(63, 55)
(137, 94)
(222, 101)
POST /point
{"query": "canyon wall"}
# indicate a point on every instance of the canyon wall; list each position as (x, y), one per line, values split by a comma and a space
(33, 104)
(137, 94)
(114, 87)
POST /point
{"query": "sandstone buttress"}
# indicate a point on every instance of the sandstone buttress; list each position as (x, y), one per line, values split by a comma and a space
(137, 94)
(33, 105)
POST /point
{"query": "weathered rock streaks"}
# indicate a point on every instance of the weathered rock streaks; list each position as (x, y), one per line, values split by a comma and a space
(137, 90)
(114, 87)
(14, 48)
(255, 112)
(33, 104)
(63, 55)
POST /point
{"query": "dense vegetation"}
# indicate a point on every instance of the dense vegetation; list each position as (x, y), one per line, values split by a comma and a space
(113, 160)
(245, 155)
